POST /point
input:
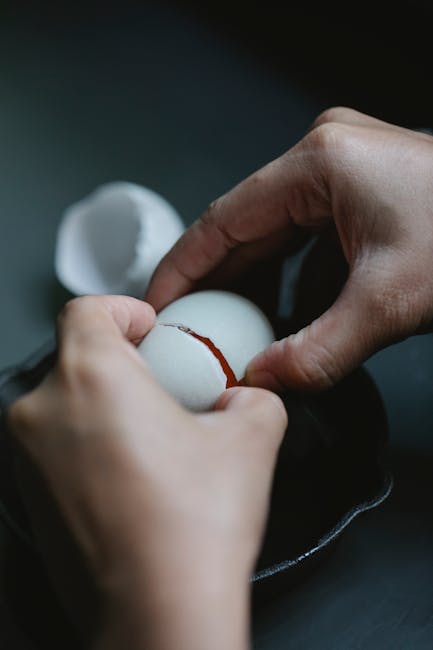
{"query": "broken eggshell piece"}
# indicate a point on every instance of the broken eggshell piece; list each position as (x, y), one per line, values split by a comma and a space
(191, 370)
(184, 366)
(112, 240)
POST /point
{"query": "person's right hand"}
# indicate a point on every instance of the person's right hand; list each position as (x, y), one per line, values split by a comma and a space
(375, 180)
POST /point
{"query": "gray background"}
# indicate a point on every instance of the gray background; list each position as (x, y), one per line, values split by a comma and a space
(186, 105)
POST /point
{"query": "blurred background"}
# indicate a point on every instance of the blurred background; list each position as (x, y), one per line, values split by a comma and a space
(185, 97)
(188, 98)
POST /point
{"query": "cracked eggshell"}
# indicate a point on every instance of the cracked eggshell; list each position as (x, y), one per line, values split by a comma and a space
(184, 365)
(112, 240)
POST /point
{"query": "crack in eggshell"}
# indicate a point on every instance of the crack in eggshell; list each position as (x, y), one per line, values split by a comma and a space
(231, 380)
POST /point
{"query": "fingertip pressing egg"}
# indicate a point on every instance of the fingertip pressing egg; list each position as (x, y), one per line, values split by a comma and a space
(202, 344)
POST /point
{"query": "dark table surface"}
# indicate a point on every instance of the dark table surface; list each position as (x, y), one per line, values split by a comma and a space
(154, 95)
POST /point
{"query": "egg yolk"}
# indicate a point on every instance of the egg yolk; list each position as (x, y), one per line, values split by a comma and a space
(231, 380)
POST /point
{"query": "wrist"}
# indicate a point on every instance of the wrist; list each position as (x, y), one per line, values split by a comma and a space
(184, 605)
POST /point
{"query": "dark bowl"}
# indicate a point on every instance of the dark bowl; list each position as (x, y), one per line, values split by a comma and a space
(330, 469)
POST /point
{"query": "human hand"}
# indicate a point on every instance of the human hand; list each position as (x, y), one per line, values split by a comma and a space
(167, 507)
(375, 181)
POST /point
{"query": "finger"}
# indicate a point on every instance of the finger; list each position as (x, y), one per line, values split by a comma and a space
(264, 204)
(256, 409)
(319, 355)
(352, 117)
(294, 187)
(96, 318)
(245, 257)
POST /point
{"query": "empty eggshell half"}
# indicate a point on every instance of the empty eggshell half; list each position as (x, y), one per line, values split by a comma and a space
(197, 371)
(112, 240)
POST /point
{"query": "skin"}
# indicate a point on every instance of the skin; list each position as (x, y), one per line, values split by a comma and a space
(168, 508)
(374, 181)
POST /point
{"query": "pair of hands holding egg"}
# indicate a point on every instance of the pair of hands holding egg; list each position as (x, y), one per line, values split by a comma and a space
(171, 493)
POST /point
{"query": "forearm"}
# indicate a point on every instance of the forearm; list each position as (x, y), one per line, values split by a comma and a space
(162, 586)
(191, 607)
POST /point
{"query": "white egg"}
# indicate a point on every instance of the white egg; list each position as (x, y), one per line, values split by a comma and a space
(194, 371)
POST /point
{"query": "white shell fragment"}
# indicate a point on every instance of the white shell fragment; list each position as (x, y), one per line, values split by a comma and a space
(185, 366)
(112, 240)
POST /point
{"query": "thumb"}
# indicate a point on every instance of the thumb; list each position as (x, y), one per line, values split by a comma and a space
(89, 319)
(253, 410)
(322, 353)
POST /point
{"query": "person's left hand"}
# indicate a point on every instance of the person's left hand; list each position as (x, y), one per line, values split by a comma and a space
(167, 506)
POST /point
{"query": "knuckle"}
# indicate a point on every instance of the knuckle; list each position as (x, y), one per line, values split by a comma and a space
(328, 138)
(333, 114)
(75, 306)
(72, 306)
(331, 145)
(213, 221)
(210, 216)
